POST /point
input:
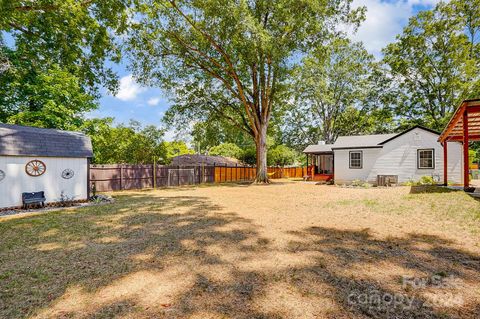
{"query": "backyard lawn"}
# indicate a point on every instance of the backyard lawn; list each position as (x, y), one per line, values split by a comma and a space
(287, 250)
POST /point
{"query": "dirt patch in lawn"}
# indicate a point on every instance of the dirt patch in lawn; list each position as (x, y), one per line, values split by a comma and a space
(287, 250)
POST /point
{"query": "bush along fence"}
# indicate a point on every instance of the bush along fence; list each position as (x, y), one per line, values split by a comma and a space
(113, 177)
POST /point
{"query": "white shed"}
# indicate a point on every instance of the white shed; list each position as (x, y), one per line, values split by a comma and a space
(36, 159)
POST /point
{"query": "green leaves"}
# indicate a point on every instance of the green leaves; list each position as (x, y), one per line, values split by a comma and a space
(331, 88)
(227, 150)
(53, 71)
(53, 99)
(229, 60)
(132, 143)
(434, 63)
(282, 155)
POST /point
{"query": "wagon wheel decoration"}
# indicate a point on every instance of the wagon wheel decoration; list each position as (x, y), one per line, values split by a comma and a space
(67, 173)
(35, 168)
(2, 175)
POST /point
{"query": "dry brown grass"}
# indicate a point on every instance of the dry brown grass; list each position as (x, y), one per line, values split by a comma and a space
(287, 250)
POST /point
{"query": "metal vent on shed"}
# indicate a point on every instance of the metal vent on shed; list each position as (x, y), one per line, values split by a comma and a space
(387, 180)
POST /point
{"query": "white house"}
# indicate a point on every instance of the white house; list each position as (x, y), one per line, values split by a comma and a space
(36, 159)
(398, 158)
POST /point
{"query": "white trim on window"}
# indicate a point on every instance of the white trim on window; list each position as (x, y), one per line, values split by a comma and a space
(355, 159)
(426, 158)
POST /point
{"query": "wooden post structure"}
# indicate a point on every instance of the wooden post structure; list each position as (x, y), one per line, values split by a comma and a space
(154, 173)
(121, 177)
(445, 163)
(466, 176)
(307, 167)
(313, 167)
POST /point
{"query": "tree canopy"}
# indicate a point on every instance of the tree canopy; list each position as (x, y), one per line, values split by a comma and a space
(231, 58)
(54, 64)
(132, 143)
(434, 64)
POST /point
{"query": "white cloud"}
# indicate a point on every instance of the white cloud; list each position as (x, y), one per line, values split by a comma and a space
(129, 89)
(384, 20)
(153, 101)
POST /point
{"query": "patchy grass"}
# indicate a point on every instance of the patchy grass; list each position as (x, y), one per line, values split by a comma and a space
(287, 250)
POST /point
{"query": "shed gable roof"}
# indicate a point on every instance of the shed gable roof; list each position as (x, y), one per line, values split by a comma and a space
(16, 140)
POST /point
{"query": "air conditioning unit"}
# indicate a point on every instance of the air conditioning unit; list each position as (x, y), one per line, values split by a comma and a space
(387, 180)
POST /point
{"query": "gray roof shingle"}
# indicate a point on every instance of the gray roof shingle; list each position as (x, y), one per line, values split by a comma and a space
(196, 159)
(353, 141)
(361, 141)
(318, 148)
(18, 140)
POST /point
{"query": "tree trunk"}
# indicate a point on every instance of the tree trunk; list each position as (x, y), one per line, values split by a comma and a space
(261, 144)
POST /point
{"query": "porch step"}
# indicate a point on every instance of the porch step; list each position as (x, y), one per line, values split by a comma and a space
(322, 177)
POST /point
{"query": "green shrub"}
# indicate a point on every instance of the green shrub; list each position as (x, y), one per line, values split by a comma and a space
(427, 180)
(357, 182)
(424, 180)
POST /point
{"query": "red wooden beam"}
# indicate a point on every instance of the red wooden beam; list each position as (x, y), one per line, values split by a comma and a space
(453, 122)
(445, 163)
(466, 176)
(459, 138)
(473, 108)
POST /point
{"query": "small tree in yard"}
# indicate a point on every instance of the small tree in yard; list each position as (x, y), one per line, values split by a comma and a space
(228, 150)
(281, 155)
(230, 58)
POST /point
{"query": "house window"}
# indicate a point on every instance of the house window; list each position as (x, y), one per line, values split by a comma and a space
(356, 159)
(426, 158)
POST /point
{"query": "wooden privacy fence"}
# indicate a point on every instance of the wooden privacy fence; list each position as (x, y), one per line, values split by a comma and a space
(237, 173)
(113, 177)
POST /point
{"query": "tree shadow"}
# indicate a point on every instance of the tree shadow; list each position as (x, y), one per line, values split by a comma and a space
(58, 264)
(148, 256)
(420, 276)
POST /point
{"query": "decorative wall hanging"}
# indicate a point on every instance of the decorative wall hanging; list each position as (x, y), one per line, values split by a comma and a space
(2, 175)
(35, 168)
(68, 173)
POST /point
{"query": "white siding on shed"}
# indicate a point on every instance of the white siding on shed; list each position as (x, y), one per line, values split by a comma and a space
(399, 157)
(51, 182)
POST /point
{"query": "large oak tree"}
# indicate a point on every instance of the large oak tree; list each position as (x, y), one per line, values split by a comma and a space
(230, 58)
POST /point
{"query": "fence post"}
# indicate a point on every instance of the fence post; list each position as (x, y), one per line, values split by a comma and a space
(121, 177)
(178, 175)
(220, 169)
(154, 170)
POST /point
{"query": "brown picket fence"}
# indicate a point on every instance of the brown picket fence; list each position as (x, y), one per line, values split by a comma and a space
(114, 177)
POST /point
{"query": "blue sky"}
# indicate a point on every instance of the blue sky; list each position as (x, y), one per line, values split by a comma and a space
(384, 20)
